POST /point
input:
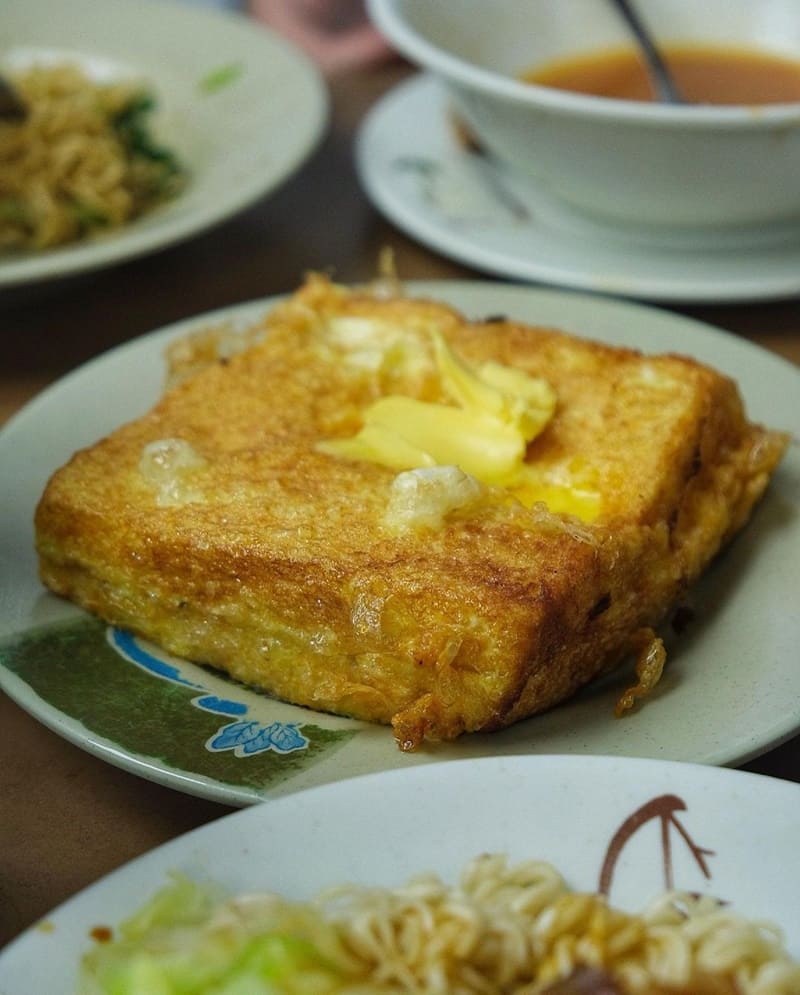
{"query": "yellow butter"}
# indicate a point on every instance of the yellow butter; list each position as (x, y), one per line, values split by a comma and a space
(496, 411)
(379, 444)
(485, 432)
(518, 400)
(562, 497)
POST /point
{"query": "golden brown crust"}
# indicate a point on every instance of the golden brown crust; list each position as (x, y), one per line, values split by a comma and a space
(277, 567)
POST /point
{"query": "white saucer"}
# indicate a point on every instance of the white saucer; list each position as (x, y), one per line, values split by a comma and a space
(479, 213)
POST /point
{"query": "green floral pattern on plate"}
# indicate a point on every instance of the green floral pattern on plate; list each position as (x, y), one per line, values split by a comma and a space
(74, 669)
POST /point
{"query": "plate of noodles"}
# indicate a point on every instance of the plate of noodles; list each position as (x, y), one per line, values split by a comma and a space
(505, 875)
(140, 128)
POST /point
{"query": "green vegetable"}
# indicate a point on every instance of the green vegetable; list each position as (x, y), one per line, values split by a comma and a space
(132, 128)
(181, 903)
(179, 943)
(88, 215)
(220, 77)
(12, 209)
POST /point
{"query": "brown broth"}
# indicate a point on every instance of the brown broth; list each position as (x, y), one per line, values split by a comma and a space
(705, 75)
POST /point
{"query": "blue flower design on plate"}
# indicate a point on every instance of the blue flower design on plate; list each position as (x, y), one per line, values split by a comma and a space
(247, 738)
(244, 737)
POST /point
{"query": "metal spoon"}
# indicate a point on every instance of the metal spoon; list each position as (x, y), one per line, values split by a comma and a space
(665, 87)
(11, 106)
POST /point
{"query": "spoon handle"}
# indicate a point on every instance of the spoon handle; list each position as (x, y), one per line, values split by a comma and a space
(666, 90)
(11, 105)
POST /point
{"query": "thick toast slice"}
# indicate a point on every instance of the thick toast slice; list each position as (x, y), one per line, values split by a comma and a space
(227, 527)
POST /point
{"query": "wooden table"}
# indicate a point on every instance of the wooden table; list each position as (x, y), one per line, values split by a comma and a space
(67, 818)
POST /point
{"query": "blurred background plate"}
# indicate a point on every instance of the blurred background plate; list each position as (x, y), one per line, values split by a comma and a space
(240, 107)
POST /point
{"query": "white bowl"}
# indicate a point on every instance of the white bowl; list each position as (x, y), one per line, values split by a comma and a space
(706, 172)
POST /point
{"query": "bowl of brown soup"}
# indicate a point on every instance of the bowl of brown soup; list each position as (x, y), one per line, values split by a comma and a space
(556, 90)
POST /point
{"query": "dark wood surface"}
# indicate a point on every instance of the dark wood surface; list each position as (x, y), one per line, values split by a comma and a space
(67, 818)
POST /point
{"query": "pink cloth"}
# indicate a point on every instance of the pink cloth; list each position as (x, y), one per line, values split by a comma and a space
(335, 33)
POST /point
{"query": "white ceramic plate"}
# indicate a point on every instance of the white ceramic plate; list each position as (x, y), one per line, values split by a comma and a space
(238, 141)
(730, 690)
(480, 213)
(367, 830)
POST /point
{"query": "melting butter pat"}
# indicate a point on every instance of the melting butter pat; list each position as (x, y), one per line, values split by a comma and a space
(423, 498)
(403, 433)
(563, 494)
(497, 412)
(170, 467)
(517, 400)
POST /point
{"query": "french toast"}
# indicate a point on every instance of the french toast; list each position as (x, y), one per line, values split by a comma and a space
(280, 514)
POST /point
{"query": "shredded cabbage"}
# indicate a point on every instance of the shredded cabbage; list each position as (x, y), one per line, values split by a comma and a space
(185, 942)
